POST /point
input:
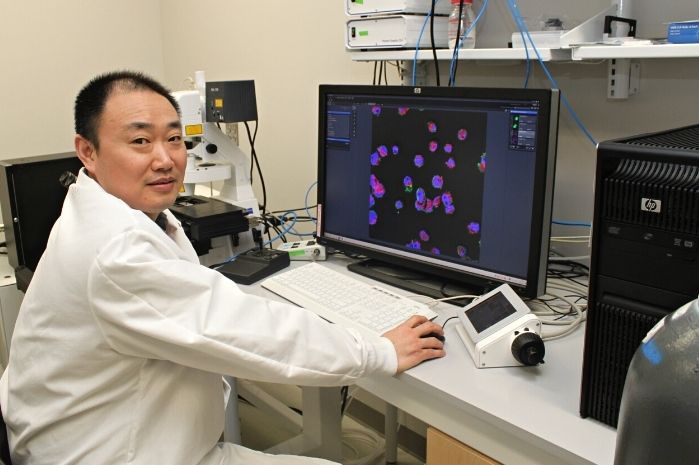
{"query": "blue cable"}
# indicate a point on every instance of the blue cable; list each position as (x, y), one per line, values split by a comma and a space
(523, 28)
(455, 55)
(571, 223)
(417, 47)
(528, 71)
(305, 202)
(285, 230)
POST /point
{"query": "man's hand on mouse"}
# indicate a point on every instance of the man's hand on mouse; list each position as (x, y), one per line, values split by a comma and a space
(412, 347)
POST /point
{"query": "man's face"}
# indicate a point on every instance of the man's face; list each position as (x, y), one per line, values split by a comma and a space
(141, 157)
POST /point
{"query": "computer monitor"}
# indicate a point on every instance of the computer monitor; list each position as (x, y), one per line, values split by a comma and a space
(452, 182)
(31, 198)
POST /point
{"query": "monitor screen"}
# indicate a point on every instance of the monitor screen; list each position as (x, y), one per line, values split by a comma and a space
(451, 182)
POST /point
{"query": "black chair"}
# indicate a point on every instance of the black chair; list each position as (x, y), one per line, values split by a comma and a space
(4, 443)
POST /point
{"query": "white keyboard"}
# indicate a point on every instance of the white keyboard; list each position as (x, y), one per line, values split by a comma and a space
(345, 300)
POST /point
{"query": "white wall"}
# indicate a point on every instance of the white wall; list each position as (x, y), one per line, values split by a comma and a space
(50, 49)
(288, 49)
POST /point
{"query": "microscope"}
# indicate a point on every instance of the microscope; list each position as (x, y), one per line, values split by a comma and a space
(227, 222)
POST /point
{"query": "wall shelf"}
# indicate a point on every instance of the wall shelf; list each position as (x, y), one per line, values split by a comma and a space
(464, 54)
(590, 52)
(584, 52)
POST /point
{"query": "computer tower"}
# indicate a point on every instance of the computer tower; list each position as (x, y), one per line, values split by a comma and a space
(644, 261)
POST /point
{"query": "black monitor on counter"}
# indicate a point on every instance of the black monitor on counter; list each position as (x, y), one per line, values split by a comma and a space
(451, 183)
(31, 199)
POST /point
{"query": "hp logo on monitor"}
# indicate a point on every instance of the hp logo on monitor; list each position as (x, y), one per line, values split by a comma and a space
(651, 205)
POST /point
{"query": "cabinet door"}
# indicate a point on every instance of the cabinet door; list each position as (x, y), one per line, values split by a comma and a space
(445, 450)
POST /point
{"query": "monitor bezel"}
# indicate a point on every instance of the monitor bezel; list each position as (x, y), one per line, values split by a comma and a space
(547, 142)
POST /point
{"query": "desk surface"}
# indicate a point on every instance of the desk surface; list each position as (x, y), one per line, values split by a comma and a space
(518, 416)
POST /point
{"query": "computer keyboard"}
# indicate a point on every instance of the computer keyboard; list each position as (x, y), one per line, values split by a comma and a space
(345, 300)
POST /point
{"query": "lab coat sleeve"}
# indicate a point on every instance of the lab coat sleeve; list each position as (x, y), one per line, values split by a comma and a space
(151, 303)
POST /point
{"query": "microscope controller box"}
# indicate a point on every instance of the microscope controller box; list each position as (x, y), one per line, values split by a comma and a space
(372, 7)
(399, 31)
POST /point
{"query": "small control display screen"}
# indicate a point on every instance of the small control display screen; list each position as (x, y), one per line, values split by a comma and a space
(490, 311)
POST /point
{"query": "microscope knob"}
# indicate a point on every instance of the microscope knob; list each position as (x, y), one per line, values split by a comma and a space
(528, 349)
(211, 148)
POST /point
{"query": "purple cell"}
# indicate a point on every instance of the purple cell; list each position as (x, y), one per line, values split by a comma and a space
(462, 134)
(436, 251)
(447, 199)
(451, 163)
(428, 206)
(395, 149)
(448, 148)
(424, 236)
(399, 204)
(482, 164)
(474, 228)
(408, 184)
(461, 251)
(420, 194)
(419, 160)
(433, 146)
(373, 217)
(376, 110)
(376, 187)
(403, 111)
(374, 159)
(437, 181)
(414, 244)
(431, 127)
(449, 209)
(372, 201)
(437, 201)
(383, 151)
(379, 191)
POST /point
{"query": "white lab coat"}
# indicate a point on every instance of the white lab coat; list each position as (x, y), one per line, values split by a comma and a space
(122, 338)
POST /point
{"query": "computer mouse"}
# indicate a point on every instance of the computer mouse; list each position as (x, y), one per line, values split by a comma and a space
(438, 336)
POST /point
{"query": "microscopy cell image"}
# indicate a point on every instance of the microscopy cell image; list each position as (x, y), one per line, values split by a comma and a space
(462, 251)
(408, 184)
(374, 159)
(383, 151)
(372, 200)
(377, 189)
(376, 110)
(436, 251)
(431, 127)
(474, 228)
(398, 204)
(448, 148)
(419, 161)
(395, 149)
(482, 164)
(437, 181)
(414, 244)
(462, 134)
(433, 146)
(403, 110)
(423, 235)
(373, 217)
(450, 163)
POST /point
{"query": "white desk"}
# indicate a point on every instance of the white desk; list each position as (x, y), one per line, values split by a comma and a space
(517, 416)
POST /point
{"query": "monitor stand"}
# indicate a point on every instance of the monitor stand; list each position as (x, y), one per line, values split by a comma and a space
(414, 281)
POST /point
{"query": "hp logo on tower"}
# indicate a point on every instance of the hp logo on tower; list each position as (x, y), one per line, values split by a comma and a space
(651, 205)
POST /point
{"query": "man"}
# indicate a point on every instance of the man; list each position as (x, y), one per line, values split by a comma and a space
(122, 336)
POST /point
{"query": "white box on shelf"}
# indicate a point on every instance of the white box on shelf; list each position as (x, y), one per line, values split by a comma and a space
(397, 31)
(372, 7)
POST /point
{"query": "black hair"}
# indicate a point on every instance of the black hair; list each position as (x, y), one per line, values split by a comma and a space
(90, 102)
